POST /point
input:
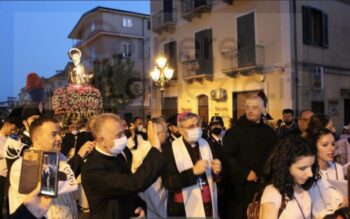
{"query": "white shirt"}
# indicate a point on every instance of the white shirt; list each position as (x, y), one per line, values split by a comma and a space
(156, 195)
(334, 172)
(292, 210)
(326, 198)
(3, 165)
(63, 207)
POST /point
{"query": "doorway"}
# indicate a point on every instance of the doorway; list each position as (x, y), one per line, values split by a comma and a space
(203, 108)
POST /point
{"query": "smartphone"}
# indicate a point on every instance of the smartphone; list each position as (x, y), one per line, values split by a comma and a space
(30, 171)
(49, 174)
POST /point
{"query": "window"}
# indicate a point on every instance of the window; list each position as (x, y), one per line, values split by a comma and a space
(204, 51)
(148, 25)
(246, 56)
(127, 22)
(92, 26)
(126, 50)
(315, 27)
(170, 54)
(93, 53)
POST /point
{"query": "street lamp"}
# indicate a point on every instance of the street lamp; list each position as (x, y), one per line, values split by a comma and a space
(161, 74)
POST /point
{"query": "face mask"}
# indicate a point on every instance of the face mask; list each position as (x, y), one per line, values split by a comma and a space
(216, 131)
(14, 136)
(194, 134)
(119, 145)
(75, 132)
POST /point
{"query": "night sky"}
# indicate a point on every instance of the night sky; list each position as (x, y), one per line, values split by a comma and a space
(34, 36)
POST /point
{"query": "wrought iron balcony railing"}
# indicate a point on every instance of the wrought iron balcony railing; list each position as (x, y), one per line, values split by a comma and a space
(198, 68)
(164, 21)
(194, 8)
(244, 59)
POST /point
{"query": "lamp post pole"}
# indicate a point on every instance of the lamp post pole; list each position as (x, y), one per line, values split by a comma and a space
(161, 74)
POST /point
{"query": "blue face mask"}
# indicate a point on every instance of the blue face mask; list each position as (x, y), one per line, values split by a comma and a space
(14, 136)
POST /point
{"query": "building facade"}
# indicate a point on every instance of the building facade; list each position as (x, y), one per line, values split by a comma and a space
(59, 80)
(115, 46)
(294, 52)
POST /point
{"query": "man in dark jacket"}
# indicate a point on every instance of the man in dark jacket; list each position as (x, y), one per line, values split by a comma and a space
(110, 187)
(246, 148)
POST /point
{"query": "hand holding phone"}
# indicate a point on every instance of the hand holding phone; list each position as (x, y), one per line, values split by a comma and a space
(49, 174)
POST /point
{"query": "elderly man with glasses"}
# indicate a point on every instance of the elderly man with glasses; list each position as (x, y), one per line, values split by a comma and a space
(192, 172)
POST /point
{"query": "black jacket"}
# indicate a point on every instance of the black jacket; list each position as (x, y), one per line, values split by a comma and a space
(111, 188)
(246, 147)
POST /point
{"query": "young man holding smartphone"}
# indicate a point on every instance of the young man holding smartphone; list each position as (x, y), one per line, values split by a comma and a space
(45, 137)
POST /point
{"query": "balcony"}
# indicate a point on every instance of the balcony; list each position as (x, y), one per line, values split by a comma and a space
(244, 60)
(164, 21)
(197, 69)
(195, 8)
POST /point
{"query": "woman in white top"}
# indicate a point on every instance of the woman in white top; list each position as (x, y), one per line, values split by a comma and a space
(289, 172)
(325, 197)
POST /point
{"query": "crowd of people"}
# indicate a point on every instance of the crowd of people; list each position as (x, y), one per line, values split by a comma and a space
(179, 168)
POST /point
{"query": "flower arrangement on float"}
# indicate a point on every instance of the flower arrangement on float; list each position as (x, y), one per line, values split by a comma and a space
(73, 103)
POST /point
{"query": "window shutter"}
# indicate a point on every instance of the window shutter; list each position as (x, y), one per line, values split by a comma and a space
(306, 25)
(208, 51)
(325, 30)
(173, 60)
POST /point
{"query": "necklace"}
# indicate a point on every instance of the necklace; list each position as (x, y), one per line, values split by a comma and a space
(301, 210)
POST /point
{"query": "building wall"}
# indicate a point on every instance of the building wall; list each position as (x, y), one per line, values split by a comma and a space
(270, 28)
(109, 41)
(334, 59)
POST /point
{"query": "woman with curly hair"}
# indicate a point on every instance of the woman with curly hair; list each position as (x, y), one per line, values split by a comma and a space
(289, 172)
(326, 198)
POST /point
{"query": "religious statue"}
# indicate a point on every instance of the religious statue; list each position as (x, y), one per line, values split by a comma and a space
(76, 71)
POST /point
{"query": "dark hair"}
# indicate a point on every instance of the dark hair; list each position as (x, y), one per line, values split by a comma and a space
(286, 111)
(303, 111)
(317, 121)
(38, 123)
(317, 133)
(285, 153)
(136, 118)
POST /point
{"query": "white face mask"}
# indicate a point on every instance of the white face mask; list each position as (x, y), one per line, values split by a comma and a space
(75, 132)
(119, 145)
(194, 135)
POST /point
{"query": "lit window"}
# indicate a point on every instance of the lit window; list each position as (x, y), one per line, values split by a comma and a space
(127, 22)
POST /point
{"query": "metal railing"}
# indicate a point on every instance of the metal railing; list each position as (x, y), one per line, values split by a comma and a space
(197, 68)
(191, 8)
(244, 58)
(163, 21)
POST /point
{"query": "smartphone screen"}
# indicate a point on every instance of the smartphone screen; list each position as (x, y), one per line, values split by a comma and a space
(49, 172)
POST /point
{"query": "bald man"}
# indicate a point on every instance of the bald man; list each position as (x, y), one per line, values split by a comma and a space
(246, 148)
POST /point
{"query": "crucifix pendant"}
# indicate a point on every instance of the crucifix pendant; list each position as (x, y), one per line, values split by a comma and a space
(200, 183)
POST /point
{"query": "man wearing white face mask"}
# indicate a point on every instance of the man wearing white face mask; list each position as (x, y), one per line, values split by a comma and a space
(191, 172)
(110, 187)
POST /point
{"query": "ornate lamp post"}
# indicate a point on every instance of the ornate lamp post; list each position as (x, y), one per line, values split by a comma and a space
(161, 74)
